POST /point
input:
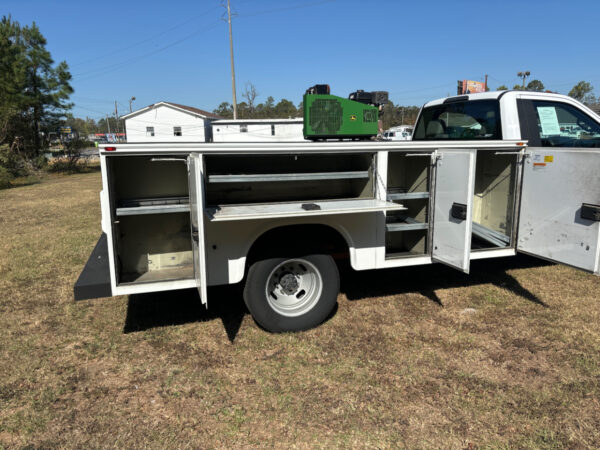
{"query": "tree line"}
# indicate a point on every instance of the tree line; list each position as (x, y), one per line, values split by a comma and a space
(284, 109)
(582, 91)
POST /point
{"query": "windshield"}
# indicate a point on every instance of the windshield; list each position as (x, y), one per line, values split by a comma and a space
(478, 119)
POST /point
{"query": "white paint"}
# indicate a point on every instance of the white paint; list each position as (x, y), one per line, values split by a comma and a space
(258, 130)
(163, 118)
(550, 224)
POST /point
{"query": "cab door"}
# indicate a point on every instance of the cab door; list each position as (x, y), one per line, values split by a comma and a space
(560, 206)
(453, 206)
(196, 193)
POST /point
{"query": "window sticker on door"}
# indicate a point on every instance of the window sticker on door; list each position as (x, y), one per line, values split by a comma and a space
(548, 120)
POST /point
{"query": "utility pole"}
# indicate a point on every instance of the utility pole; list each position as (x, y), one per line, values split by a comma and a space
(131, 100)
(107, 124)
(523, 75)
(232, 66)
(485, 88)
(116, 117)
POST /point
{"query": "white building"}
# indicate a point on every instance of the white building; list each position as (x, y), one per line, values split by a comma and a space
(169, 122)
(257, 130)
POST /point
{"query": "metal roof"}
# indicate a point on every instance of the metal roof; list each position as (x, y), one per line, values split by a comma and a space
(184, 108)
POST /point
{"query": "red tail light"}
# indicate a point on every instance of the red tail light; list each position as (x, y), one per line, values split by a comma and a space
(110, 149)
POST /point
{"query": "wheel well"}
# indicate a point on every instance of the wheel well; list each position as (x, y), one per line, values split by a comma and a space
(307, 239)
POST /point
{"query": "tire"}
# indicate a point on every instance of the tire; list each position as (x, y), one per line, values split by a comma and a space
(292, 293)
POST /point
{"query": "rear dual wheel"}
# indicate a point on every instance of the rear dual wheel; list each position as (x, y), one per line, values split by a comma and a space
(292, 293)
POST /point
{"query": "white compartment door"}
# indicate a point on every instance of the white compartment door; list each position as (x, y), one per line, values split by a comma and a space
(453, 205)
(560, 207)
(196, 189)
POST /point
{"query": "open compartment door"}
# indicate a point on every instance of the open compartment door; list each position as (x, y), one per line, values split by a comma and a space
(453, 205)
(196, 192)
(560, 207)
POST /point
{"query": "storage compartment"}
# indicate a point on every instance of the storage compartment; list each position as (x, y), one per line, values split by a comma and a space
(407, 232)
(408, 174)
(148, 181)
(247, 179)
(153, 248)
(151, 219)
(406, 243)
(494, 200)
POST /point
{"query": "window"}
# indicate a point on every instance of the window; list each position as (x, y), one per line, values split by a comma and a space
(149, 131)
(563, 125)
(272, 130)
(243, 128)
(478, 119)
(176, 131)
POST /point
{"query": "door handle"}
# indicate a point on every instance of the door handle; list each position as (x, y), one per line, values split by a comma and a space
(459, 211)
(590, 212)
(195, 233)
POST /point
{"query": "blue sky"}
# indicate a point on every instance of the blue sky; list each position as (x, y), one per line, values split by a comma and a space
(179, 50)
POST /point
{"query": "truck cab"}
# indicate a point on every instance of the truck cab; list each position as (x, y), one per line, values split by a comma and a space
(542, 119)
(556, 171)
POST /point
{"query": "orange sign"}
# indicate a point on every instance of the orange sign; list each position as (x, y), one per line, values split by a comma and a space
(472, 87)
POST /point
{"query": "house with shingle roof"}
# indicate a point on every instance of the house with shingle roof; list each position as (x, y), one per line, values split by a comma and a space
(169, 122)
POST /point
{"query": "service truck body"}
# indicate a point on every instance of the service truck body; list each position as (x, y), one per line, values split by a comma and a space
(178, 216)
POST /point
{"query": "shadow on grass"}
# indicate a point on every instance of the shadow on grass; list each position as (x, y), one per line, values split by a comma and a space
(427, 279)
(159, 309)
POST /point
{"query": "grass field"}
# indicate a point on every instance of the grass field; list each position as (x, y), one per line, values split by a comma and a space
(508, 357)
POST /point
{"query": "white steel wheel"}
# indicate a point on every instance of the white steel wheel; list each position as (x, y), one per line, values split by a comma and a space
(292, 293)
(294, 287)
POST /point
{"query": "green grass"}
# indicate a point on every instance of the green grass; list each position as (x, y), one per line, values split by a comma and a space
(420, 357)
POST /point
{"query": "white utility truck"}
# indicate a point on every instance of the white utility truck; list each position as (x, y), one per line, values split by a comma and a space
(399, 133)
(486, 175)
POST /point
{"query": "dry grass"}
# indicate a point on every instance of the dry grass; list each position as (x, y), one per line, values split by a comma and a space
(420, 357)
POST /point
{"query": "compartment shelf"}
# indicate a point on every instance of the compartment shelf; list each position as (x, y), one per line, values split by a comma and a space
(295, 209)
(154, 209)
(159, 205)
(270, 177)
(407, 223)
(170, 274)
(407, 195)
(493, 237)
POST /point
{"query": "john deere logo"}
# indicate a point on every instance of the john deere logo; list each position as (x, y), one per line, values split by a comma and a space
(353, 117)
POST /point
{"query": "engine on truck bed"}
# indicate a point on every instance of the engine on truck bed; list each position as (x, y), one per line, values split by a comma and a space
(327, 116)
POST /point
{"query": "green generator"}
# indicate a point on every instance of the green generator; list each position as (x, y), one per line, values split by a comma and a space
(327, 116)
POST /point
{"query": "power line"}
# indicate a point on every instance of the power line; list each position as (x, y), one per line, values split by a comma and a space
(107, 69)
(122, 49)
(271, 11)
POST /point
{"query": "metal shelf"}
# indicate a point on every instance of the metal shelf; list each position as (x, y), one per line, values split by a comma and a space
(407, 224)
(156, 205)
(295, 209)
(266, 177)
(153, 209)
(406, 195)
(493, 237)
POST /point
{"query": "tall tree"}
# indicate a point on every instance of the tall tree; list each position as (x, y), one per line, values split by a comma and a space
(535, 85)
(225, 110)
(250, 93)
(285, 109)
(582, 91)
(35, 90)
